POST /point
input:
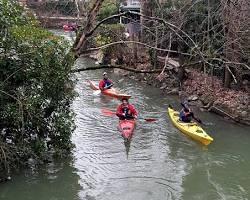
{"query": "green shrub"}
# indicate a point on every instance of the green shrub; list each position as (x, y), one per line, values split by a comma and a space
(36, 89)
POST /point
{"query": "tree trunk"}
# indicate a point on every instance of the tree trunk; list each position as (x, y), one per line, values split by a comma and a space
(145, 10)
(91, 19)
(227, 78)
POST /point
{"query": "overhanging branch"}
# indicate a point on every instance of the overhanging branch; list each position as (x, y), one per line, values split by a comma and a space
(115, 66)
(170, 67)
(131, 41)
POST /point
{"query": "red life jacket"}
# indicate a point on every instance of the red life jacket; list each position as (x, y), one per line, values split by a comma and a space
(104, 83)
(128, 110)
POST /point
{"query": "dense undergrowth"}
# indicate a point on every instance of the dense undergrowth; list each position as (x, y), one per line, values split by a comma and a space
(36, 90)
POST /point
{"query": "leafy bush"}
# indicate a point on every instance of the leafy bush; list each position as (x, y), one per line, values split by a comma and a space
(36, 89)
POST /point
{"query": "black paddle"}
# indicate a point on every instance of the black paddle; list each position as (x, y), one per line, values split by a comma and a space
(110, 113)
(197, 119)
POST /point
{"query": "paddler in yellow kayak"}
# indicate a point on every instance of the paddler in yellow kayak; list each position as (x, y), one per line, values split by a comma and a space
(186, 115)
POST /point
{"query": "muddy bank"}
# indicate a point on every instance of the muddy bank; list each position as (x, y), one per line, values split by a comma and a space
(205, 92)
(210, 94)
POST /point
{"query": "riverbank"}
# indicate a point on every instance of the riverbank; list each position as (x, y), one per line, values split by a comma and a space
(210, 94)
(207, 93)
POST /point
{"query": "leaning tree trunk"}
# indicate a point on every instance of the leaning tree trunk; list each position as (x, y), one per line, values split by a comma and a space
(82, 36)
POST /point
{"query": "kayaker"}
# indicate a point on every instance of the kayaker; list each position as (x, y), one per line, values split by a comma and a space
(186, 115)
(126, 110)
(105, 83)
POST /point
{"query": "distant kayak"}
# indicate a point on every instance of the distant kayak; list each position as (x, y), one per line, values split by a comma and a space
(109, 92)
(68, 27)
(126, 127)
(191, 129)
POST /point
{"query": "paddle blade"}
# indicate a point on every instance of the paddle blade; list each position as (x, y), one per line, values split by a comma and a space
(198, 120)
(97, 92)
(107, 112)
(150, 119)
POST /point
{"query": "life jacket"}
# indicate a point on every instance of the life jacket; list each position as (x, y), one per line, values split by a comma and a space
(106, 83)
(185, 116)
(127, 111)
(186, 113)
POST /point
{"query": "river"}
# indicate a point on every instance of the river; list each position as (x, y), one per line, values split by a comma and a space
(159, 163)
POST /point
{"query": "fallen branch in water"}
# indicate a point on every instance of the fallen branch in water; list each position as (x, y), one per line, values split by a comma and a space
(116, 66)
(170, 67)
(221, 112)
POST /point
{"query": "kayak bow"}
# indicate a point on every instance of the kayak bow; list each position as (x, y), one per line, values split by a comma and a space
(191, 129)
(126, 128)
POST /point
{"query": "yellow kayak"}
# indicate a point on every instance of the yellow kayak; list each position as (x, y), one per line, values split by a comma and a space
(191, 129)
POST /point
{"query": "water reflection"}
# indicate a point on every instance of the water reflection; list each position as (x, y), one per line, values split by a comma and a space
(57, 180)
(127, 146)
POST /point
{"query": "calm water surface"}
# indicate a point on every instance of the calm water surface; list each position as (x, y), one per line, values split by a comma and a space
(159, 163)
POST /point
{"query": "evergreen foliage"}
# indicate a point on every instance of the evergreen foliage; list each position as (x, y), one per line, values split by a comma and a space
(36, 89)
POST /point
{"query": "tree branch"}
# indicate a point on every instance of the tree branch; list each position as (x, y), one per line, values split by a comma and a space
(101, 22)
(173, 27)
(131, 41)
(128, 68)
(115, 66)
(90, 21)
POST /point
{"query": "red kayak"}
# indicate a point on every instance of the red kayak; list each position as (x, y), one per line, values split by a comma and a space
(127, 127)
(109, 92)
(68, 27)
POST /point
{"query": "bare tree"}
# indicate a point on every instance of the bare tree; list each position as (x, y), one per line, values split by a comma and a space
(209, 33)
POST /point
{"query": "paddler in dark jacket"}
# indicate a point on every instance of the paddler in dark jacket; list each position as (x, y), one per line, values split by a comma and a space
(186, 115)
(105, 83)
(126, 110)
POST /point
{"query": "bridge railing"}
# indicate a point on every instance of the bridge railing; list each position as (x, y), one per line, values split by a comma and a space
(133, 3)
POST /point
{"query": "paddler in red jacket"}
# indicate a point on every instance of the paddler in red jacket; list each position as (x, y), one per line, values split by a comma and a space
(126, 110)
(105, 83)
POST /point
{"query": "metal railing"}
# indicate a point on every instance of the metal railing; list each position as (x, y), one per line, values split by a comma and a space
(133, 3)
